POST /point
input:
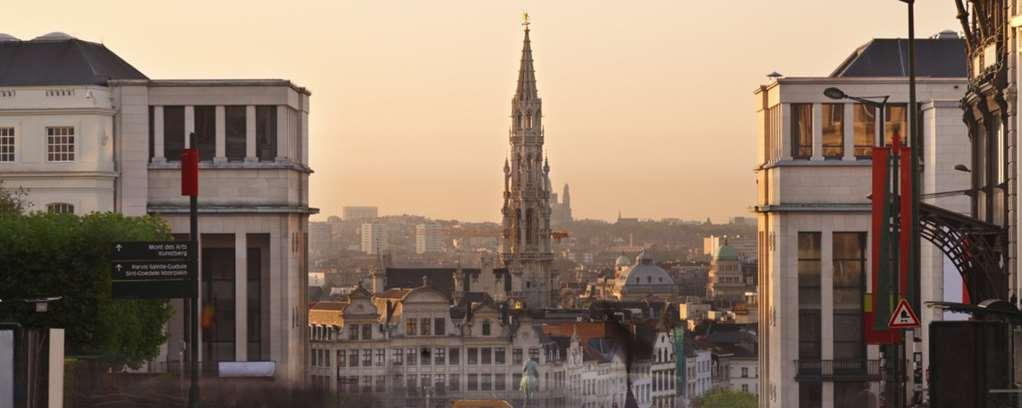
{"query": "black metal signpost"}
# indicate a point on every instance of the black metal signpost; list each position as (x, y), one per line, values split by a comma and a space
(152, 270)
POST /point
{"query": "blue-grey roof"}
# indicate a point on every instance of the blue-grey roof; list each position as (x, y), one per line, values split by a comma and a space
(67, 61)
(883, 57)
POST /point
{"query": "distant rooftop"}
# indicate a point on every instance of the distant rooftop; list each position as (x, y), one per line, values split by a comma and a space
(60, 59)
(940, 57)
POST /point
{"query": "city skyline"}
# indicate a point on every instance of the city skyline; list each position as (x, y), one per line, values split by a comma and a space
(614, 87)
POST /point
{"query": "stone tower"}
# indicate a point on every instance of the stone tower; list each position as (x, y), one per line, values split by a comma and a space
(525, 241)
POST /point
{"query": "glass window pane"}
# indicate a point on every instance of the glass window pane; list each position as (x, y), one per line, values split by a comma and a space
(173, 132)
(865, 129)
(236, 127)
(801, 130)
(266, 133)
(833, 130)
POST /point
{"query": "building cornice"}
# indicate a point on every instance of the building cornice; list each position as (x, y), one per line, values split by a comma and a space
(58, 111)
(211, 83)
(857, 81)
(56, 173)
(232, 209)
(815, 208)
(816, 163)
(216, 165)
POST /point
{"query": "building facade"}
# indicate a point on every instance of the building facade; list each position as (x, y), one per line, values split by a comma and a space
(427, 238)
(813, 180)
(88, 132)
(374, 239)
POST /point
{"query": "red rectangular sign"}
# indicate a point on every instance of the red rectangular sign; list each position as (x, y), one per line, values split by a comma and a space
(190, 172)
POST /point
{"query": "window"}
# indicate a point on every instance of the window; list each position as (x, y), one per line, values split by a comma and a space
(498, 355)
(486, 383)
(342, 358)
(473, 382)
(266, 133)
(353, 358)
(425, 356)
(849, 287)
(381, 383)
(410, 327)
(410, 356)
(424, 328)
(833, 130)
(864, 126)
(367, 332)
(439, 326)
(397, 357)
(453, 382)
(438, 356)
(235, 132)
(367, 358)
(534, 354)
(60, 208)
(473, 356)
(745, 387)
(381, 357)
(499, 382)
(205, 131)
(809, 324)
(801, 130)
(745, 372)
(896, 122)
(173, 132)
(516, 382)
(353, 332)
(453, 356)
(516, 356)
(410, 382)
(486, 327)
(60, 144)
(7, 145)
(486, 355)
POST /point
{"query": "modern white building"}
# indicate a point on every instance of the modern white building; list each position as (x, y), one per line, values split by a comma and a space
(84, 131)
(374, 239)
(813, 182)
(427, 238)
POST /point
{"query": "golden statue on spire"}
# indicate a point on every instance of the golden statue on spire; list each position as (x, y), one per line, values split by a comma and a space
(525, 19)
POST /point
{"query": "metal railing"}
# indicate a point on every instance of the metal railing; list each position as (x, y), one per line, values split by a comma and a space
(837, 370)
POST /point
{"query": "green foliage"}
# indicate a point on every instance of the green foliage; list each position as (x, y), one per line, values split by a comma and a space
(44, 255)
(722, 398)
(13, 201)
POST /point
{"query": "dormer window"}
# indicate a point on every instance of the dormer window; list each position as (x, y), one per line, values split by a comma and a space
(486, 327)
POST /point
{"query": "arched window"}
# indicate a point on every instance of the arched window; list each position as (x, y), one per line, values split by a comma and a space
(486, 327)
(528, 120)
(518, 121)
(60, 208)
(530, 229)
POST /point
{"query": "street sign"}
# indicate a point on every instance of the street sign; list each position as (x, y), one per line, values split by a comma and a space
(152, 270)
(903, 317)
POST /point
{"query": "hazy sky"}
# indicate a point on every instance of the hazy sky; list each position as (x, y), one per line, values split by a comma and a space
(648, 104)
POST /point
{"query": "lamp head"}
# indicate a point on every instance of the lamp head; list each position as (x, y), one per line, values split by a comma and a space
(834, 93)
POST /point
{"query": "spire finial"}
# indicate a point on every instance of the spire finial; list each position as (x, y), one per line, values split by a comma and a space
(525, 19)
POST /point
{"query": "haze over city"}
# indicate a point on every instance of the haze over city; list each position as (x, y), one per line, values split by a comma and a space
(645, 103)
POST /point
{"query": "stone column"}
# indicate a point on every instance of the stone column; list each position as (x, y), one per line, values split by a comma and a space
(786, 141)
(189, 125)
(221, 136)
(250, 134)
(817, 132)
(158, 154)
(240, 296)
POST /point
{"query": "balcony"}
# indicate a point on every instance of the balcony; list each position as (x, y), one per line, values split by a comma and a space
(837, 370)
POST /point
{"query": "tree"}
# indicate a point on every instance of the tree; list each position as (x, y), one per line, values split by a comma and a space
(724, 398)
(13, 201)
(43, 255)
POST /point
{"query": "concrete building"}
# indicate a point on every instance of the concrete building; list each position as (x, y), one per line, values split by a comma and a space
(374, 239)
(356, 213)
(427, 238)
(813, 179)
(745, 246)
(726, 283)
(84, 131)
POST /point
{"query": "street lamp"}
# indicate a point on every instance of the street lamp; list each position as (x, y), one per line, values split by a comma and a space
(838, 94)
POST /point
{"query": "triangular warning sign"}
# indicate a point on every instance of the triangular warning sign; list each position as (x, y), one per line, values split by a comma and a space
(903, 317)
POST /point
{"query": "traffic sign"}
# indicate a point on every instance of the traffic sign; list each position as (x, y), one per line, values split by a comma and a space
(903, 317)
(154, 270)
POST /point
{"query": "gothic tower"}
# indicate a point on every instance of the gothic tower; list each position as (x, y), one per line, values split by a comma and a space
(525, 242)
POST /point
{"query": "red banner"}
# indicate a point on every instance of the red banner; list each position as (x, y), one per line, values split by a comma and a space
(190, 172)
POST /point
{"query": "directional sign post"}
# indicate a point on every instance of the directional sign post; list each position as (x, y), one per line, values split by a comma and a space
(152, 270)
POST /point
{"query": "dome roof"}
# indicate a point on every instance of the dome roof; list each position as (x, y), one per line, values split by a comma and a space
(8, 37)
(54, 36)
(622, 261)
(645, 273)
(727, 253)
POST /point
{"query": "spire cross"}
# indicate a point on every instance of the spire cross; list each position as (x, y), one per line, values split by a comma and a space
(525, 20)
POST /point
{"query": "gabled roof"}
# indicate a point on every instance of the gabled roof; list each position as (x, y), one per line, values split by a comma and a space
(61, 61)
(441, 279)
(888, 57)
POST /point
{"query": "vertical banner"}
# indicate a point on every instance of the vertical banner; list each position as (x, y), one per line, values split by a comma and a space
(190, 172)
(878, 305)
(679, 361)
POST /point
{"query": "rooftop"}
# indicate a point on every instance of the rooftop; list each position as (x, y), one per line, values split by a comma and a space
(941, 57)
(59, 59)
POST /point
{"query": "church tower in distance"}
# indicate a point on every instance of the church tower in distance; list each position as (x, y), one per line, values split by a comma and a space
(525, 241)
